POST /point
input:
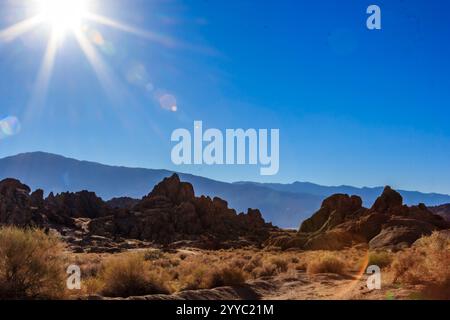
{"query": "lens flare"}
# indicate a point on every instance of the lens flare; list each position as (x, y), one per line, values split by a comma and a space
(9, 126)
(168, 102)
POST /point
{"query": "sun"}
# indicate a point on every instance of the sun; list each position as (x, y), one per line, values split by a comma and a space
(63, 15)
(80, 19)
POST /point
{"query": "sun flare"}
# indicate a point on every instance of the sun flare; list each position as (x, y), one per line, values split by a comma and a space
(80, 19)
(63, 15)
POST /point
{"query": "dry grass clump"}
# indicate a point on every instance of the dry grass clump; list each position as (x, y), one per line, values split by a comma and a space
(381, 259)
(210, 271)
(281, 265)
(326, 263)
(31, 265)
(130, 275)
(253, 263)
(426, 262)
(153, 271)
(266, 270)
(153, 254)
(225, 276)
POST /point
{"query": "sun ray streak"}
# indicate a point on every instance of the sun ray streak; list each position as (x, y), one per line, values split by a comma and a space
(19, 28)
(43, 78)
(164, 40)
(100, 68)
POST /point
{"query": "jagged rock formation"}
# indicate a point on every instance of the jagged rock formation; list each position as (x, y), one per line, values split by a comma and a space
(342, 222)
(17, 207)
(83, 204)
(171, 212)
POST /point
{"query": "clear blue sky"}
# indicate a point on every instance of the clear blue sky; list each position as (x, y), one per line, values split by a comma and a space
(353, 106)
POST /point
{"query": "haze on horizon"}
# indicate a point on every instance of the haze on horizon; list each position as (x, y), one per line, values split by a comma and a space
(354, 107)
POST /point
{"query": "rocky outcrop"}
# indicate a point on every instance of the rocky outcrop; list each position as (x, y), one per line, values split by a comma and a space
(334, 211)
(122, 203)
(20, 208)
(443, 211)
(16, 205)
(83, 204)
(342, 222)
(172, 212)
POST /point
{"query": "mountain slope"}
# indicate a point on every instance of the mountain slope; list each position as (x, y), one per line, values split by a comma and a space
(442, 210)
(285, 205)
(54, 173)
(369, 195)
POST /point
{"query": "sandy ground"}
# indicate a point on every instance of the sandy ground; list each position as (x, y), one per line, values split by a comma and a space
(333, 287)
(300, 286)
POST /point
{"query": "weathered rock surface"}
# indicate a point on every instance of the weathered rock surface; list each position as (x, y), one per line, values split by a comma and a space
(172, 212)
(16, 205)
(443, 211)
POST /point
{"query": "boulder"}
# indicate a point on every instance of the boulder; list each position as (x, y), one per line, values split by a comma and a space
(389, 201)
(333, 211)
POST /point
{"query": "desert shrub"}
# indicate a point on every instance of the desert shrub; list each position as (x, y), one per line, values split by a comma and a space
(91, 286)
(326, 264)
(238, 263)
(226, 276)
(90, 264)
(301, 266)
(153, 254)
(192, 277)
(425, 263)
(280, 265)
(182, 256)
(253, 263)
(31, 265)
(266, 270)
(130, 275)
(381, 259)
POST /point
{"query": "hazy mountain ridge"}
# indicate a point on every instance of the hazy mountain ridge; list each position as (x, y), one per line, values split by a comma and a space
(284, 205)
(369, 194)
(54, 173)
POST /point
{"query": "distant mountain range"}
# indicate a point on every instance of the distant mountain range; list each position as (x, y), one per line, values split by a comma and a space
(283, 204)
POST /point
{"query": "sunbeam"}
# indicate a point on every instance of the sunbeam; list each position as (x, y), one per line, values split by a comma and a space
(164, 40)
(20, 28)
(75, 17)
(43, 78)
(100, 68)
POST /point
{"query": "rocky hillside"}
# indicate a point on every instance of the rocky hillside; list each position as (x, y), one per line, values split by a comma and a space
(443, 210)
(342, 221)
(285, 205)
(171, 212)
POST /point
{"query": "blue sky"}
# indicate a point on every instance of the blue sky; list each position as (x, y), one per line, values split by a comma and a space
(353, 106)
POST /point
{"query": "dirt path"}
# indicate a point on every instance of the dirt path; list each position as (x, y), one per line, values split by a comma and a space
(333, 287)
(300, 286)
